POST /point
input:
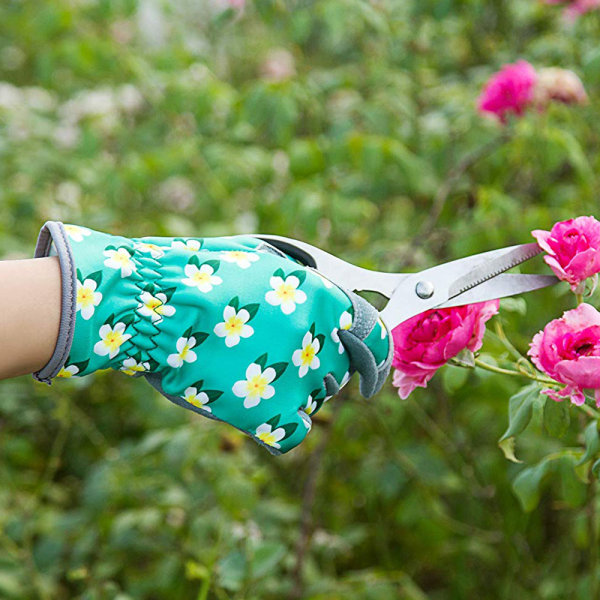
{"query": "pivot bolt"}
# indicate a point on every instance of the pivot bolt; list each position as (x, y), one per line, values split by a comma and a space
(424, 289)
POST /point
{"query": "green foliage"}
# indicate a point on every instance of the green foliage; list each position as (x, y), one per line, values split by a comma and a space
(153, 118)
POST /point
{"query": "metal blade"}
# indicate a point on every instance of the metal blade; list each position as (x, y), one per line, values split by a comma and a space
(490, 268)
(501, 286)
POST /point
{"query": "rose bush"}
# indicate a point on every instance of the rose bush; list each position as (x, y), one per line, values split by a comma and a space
(429, 340)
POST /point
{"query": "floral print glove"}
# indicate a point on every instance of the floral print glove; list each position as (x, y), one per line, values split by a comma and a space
(231, 327)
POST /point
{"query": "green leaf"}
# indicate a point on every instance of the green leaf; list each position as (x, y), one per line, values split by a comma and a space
(301, 275)
(127, 320)
(262, 360)
(556, 417)
(213, 395)
(235, 303)
(596, 468)
(453, 378)
(520, 410)
(194, 260)
(252, 309)
(213, 263)
(321, 339)
(529, 483)
(280, 368)
(199, 336)
(169, 293)
(274, 421)
(266, 558)
(516, 305)
(289, 429)
(592, 443)
(187, 333)
(508, 449)
(279, 273)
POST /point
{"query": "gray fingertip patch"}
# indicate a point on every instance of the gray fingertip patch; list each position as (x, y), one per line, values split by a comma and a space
(363, 361)
(332, 387)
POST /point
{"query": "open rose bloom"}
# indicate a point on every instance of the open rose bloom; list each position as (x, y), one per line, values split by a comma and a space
(511, 90)
(572, 249)
(427, 341)
(568, 350)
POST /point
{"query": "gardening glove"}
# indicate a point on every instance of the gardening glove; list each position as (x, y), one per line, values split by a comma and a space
(231, 328)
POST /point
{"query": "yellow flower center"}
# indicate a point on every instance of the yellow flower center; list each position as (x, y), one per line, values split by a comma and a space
(308, 354)
(237, 254)
(286, 291)
(113, 340)
(154, 305)
(234, 325)
(257, 385)
(201, 277)
(185, 351)
(194, 400)
(267, 437)
(64, 373)
(85, 296)
(122, 258)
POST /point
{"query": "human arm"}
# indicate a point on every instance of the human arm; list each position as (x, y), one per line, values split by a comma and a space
(30, 310)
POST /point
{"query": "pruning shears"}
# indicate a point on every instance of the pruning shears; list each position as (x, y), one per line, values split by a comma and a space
(468, 280)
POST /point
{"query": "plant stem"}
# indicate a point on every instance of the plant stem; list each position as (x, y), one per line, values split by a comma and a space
(493, 369)
(579, 298)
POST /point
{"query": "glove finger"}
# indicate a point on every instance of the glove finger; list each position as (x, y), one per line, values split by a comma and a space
(369, 346)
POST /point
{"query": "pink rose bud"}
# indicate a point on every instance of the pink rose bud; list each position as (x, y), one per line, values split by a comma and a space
(568, 350)
(572, 249)
(510, 90)
(427, 341)
(561, 85)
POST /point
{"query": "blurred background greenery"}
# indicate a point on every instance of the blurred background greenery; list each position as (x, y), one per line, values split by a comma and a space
(348, 124)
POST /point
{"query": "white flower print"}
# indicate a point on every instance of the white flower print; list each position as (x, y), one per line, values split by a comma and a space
(112, 338)
(285, 293)
(306, 357)
(155, 307)
(239, 257)
(199, 399)
(256, 385)
(345, 323)
(131, 366)
(154, 250)
(234, 326)
(265, 433)
(67, 372)
(190, 245)
(120, 259)
(202, 277)
(184, 352)
(77, 233)
(87, 298)
(311, 405)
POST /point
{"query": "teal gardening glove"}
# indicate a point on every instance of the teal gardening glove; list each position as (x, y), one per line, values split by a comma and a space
(231, 328)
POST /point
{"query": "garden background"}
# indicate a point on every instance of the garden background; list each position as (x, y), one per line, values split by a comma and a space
(348, 124)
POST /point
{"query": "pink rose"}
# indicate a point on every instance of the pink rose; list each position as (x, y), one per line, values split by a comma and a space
(511, 90)
(425, 342)
(573, 249)
(568, 350)
(560, 85)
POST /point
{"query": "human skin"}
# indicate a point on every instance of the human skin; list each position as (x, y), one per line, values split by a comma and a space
(30, 305)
